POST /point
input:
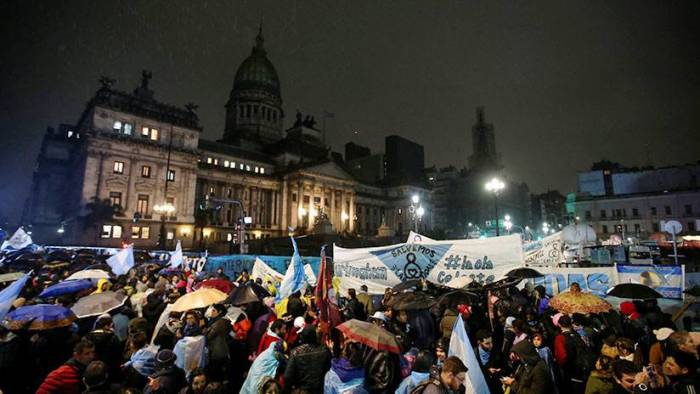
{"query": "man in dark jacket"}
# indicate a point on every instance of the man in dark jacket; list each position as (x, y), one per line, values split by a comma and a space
(450, 378)
(307, 365)
(532, 375)
(382, 371)
(67, 377)
(217, 333)
(488, 360)
(168, 379)
(354, 308)
(108, 348)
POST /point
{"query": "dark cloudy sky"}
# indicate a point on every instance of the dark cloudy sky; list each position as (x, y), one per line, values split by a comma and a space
(565, 83)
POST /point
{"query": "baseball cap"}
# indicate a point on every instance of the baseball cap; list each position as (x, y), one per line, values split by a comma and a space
(663, 333)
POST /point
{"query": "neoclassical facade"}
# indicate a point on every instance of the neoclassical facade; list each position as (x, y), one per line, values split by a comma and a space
(137, 155)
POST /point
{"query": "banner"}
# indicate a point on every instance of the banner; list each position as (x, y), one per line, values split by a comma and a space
(666, 279)
(234, 264)
(415, 238)
(262, 270)
(453, 263)
(546, 252)
(596, 280)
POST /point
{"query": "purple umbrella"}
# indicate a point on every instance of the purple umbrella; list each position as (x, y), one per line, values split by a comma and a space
(66, 287)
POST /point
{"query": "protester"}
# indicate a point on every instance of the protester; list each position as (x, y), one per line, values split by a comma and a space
(307, 365)
(680, 369)
(443, 380)
(419, 373)
(217, 332)
(346, 376)
(168, 378)
(531, 375)
(572, 357)
(197, 382)
(601, 380)
(366, 301)
(68, 377)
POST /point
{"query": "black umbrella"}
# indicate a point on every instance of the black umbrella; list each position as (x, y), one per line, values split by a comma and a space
(502, 283)
(410, 284)
(458, 297)
(411, 301)
(524, 273)
(247, 293)
(634, 290)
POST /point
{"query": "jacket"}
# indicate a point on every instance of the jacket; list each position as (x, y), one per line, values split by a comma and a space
(366, 300)
(599, 383)
(411, 381)
(66, 379)
(382, 371)
(170, 381)
(433, 385)
(447, 322)
(306, 369)
(344, 378)
(532, 376)
(216, 334)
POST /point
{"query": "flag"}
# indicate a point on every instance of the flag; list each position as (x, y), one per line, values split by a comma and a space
(310, 276)
(122, 261)
(325, 296)
(20, 239)
(295, 278)
(176, 256)
(9, 294)
(262, 270)
(460, 347)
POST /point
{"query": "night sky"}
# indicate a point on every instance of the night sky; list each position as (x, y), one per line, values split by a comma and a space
(565, 83)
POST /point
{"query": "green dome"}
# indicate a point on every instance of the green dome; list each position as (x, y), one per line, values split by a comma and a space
(257, 72)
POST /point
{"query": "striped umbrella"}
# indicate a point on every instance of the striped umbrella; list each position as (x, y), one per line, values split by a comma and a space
(370, 335)
(39, 317)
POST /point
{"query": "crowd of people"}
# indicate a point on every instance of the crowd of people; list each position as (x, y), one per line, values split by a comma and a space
(521, 345)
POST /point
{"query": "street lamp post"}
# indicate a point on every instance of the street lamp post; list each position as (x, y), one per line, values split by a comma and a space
(242, 218)
(495, 186)
(165, 208)
(417, 211)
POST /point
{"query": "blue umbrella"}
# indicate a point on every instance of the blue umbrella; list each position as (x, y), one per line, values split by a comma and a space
(39, 317)
(66, 287)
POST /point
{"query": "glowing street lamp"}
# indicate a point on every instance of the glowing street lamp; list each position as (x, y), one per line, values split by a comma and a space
(495, 186)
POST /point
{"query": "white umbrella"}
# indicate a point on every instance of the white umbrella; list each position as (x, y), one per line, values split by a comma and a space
(89, 274)
(201, 298)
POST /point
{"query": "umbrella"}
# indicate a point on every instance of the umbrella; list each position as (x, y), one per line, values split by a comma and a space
(12, 276)
(524, 273)
(39, 317)
(633, 290)
(219, 284)
(571, 302)
(201, 298)
(370, 335)
(89, 274)
(410, 301)
(66, 287)
(247, 293)
(408, 285)
(98, 303)
(502, 283)
(458, 297)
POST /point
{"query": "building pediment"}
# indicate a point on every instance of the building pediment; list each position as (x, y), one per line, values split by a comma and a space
(329, 169)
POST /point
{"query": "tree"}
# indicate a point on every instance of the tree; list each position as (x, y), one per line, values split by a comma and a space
(99, 212)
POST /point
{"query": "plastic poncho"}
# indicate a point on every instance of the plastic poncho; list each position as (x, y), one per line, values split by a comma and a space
(144, 360)
(191, 352)
(100, 283)
(264, 365)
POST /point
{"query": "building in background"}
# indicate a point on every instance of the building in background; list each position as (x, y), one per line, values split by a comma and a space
(635, 202)
(106, 181)
(549, 207)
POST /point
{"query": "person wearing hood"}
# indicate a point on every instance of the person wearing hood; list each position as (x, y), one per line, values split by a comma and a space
(346, 375)
(168, 379)
(448, 321)
(102, 286)
(153, 309)
(217, 332)
(601, 380)
(108, 348)
(275, 333)
(308, 364)
(532, 375)
(419, 373)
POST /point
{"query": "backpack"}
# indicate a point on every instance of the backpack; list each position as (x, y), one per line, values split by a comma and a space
(424, 384)
(583, 357)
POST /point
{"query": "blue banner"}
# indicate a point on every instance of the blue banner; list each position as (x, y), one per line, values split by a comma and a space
(666, 279)
(234, 264)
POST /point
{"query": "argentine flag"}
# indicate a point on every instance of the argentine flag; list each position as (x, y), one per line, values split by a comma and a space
(176, 258)
(10, 293)
(460, 347)
(295, 277)
(122, 262)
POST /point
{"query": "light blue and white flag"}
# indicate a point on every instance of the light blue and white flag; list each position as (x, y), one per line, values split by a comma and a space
(295, 278)
(9, 294)
(122, 262)
(460, 347)
(176, 257)
(19, 240)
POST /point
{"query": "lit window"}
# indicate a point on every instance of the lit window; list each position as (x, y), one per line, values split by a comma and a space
(227, 163)
(118, 167)
(211, 189)
(216, 162)
(106, 231)
(128, 128)
(247, 167)
(257, 169)
(70, 133)
(115, 198)
(140, 232)
(154, 134)
(170, 235)
(241, 166)
(229, 237)
(233, 164)
(142, 204)
(145, 132)
(117, 127)
(262, 170)
(171, 175)
(146, 171)
(116, 231)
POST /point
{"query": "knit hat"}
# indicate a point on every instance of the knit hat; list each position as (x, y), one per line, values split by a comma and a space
(165, 357)
(663, 333)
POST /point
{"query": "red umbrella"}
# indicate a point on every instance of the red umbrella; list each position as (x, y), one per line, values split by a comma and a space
(222, 285)
(370, 335)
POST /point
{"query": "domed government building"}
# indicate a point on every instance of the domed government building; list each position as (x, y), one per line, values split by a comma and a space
(133, 166)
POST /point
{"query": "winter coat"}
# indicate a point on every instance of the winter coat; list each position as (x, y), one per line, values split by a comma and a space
(344, 378)
(411, 381)
(423, 324)
(306, 369)
(600, 383)
(296, 307)
(66, 379)
(267, 338)
(170, 381)
(108, 349)
(532, 375)
(216, 334)
(366, 300)
(383, 374)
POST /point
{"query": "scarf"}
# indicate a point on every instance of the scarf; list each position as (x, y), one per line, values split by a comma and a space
(345, 371)
(484, 356)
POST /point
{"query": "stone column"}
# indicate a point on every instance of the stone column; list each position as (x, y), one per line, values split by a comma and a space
(352, 212)
(332, 215)
(285, 207)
